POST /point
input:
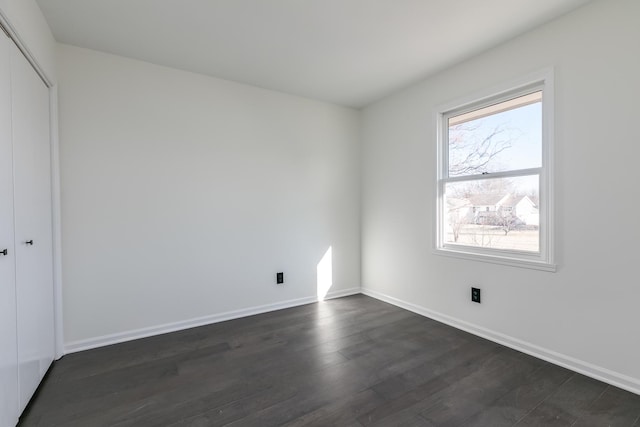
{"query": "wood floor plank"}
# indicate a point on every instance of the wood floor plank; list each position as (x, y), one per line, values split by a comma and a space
(464, 392)
(613, 408)
(353, 361)
(566, 404)
(420, 384)
(340, 412)
(522, 399)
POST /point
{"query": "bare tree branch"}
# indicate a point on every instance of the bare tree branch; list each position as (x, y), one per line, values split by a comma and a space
(470, 156)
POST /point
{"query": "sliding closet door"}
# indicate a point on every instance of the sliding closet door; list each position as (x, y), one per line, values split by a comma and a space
(33, 237)
(8, 343)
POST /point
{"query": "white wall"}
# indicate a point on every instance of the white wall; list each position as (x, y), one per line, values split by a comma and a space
(586, 315)
(183, 195)
(27, 20)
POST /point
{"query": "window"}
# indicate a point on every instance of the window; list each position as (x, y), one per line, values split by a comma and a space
(494, 192)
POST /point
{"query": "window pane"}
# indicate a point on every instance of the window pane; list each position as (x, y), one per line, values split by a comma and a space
(500, 213)
(501, 137)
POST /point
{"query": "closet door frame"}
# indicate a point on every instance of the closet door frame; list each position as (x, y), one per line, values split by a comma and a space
(10, 30)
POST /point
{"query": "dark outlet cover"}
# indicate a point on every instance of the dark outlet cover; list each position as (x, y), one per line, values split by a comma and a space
(475, 295)
(279, 278)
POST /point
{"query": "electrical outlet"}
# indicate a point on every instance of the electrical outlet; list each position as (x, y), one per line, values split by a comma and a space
(279, 278)
(475, 295)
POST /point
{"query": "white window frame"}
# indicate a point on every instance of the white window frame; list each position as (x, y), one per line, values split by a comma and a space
(544, 259)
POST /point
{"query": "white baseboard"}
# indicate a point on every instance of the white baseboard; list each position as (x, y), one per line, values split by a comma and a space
(602, 374)
(119, 337)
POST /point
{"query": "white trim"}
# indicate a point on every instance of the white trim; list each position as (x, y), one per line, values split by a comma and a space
(498, 90)
(597, 372)
(495, 175)
(548, 180)
(119, 337)
(15, 37)
(56, 222)
(543, 259)
(339, 294)
(502, 260)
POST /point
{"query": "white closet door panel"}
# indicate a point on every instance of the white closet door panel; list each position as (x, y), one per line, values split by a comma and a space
(8, 343)
(32, 210)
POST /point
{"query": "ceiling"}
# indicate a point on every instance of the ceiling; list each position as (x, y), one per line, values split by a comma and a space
(349, 52)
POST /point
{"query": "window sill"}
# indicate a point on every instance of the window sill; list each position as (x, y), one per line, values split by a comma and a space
(502, 260)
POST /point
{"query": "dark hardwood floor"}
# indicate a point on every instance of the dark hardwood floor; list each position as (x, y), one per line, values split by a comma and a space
(352, 361)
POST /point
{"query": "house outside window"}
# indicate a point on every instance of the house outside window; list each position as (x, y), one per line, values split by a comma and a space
(494, 176)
